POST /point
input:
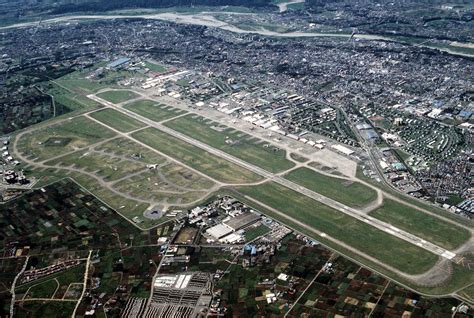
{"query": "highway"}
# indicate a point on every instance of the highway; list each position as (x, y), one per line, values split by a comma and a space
(406, 236)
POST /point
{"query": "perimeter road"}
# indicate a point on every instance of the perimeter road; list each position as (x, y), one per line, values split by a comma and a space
(289, 184)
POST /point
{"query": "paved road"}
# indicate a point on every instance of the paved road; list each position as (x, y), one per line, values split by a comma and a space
(289, 184)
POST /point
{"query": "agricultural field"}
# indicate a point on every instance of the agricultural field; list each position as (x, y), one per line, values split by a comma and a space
(234, 142)
(195, 157)
(54, 286)
(63, 222)
(348, 192)
(40, 309)
(376, 243)
(421, 224)
(118, 96)
(37, 223)
(347, 289)
(244, 289)
(60, 138)
(117, 120)
(153, 110)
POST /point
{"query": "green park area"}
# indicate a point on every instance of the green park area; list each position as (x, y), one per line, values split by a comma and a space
(197, 158)
(152, 110)
(154, 67)
(426, 226)
(353, 194)
(117, 120)
(61, 138)
(386, 248)
(234, 142)
(117, 96)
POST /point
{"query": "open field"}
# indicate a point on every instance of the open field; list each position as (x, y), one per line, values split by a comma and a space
(297, 157)
(195, 157)
(153, 110)
(71, 100)
(252, 232)
(179, 186)
(61, 138)
(117, 120)
(234, 142)
(108, 168)
(50, 309)
(80, 82)
(387, 248)
(117, 97)
(153, 67)
(458, 279)
(350, 193)
(55, 284)
(126, 148)
(410, 200)
(421, 224)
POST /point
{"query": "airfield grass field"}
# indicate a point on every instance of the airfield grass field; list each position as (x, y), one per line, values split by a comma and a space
(152, 110)
(438, 210)
(421, 224)
(127, 148)
(108, 168)
(179, 186)
(79, 82)
(215, 167)
(61, 138)
(117, 120)
(376, 243)
(234, 142)
(116, 171)
(118, 96)
(298, 158)
(348, 192)
(459, 280)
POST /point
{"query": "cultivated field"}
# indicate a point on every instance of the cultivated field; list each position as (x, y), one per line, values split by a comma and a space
(234, 142)
(195, 157)
(348, 192)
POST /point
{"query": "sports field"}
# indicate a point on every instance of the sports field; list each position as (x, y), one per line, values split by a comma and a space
(428, 227)
(117, 120)
(117, 97)
(215, 167)
(234, 142)
(348, 192)
(153, 110)
(367, 239)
